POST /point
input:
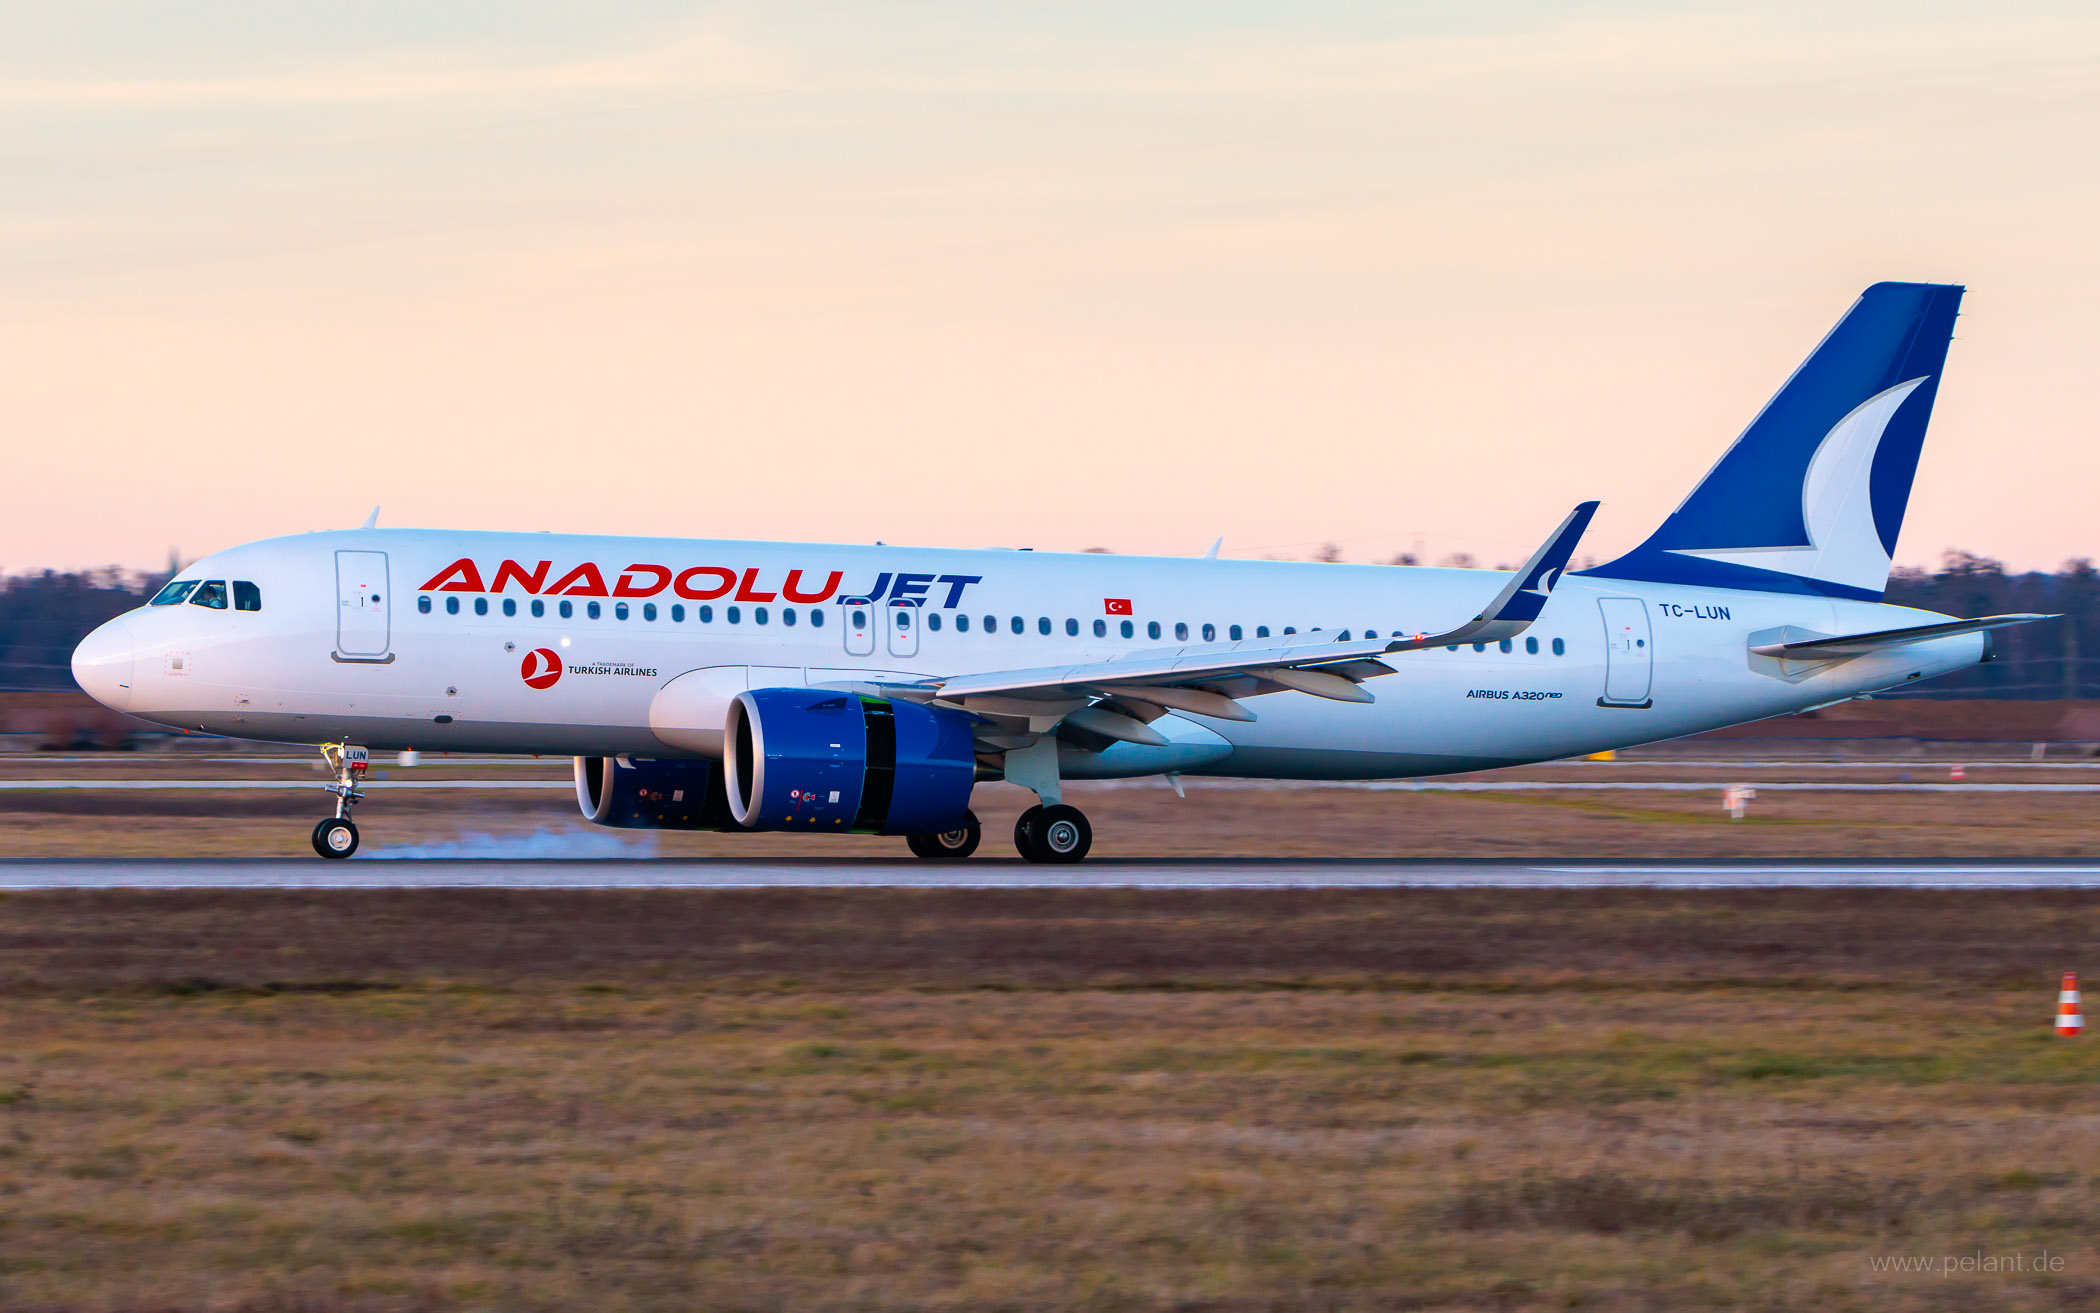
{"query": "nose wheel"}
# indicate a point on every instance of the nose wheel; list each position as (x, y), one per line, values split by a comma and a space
(336, 836)
(1058, 834)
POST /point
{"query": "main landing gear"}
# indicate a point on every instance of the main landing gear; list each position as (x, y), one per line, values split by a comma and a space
(948, 845)
(336, 836)
(1058, 833)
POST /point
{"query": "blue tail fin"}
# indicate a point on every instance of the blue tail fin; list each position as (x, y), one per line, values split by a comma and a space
(1811, 497)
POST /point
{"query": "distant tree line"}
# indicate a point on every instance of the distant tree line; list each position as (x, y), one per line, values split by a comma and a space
(43, 616)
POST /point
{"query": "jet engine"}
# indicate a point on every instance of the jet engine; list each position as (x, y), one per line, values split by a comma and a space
(641, 794)
(814, 760)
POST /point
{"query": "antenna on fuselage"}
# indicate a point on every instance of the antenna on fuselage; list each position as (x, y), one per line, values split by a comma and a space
(372, 520)
(1212, 554)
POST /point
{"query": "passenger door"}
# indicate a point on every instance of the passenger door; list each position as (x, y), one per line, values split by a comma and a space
(362, 595)
(1629, 653)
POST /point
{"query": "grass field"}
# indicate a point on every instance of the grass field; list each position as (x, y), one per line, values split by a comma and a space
(1034, 1100)
(1143, 820)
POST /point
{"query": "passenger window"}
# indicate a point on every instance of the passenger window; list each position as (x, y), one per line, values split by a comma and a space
(246, 596)
(1480, 647)
(593, 610)
(1261, 631)
(991, 624)
(1071, 627)
(1290, 629)
(423, 605)
(704, 614)
(1531, 647)
(510, 606)
(787, 615)
(211, 593)
(962, 623)
(1504, 645)
(860, 619)
(816, 618)
(734, 614)
(1370, 633)
(648, 610)
(1152, 629)
(903, 617)
(452, 606)
(1210, 633)
(1127, 631)
(677, 613)
(1018, 626)
(1233, 633)
(173, 593)
(1559, 648)
(1342, 637)
(619, 610)
(933, 620)
(539, 608)
(1042, 625)
(567, 608)
(1101, 629)
(758, 615)
(481, 606)
(1181, 631)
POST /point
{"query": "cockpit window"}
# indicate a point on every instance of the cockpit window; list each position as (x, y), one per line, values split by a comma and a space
(246, 596)
(176, 591)
(211, 593)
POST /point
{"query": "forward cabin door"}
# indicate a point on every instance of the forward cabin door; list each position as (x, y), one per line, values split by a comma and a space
(1629, 653)
(362, 596)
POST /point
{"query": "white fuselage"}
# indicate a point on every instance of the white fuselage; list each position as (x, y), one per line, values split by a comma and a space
(363, 636)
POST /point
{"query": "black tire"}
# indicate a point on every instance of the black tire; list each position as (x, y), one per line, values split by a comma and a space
(1058, 835)
(948, 845)
(335, 837)
(1024, 833)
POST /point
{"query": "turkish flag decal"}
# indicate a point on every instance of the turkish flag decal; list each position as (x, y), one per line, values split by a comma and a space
(1116, 605)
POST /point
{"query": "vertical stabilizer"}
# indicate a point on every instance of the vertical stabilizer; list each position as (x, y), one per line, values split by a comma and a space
(1811, 496)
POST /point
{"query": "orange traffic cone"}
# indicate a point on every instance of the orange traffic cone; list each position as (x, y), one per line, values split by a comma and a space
(2068, 1022)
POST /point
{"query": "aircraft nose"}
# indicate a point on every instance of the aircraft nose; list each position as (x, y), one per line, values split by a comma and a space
(102, 664)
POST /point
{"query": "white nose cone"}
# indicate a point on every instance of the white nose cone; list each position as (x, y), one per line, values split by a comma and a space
(102, 665)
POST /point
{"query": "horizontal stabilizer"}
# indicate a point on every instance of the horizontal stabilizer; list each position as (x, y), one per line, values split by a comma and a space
(1845, 646)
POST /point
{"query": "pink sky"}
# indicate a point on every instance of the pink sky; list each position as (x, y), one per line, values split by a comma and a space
(1053, 279)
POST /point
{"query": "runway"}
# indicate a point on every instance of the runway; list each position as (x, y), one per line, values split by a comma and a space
(1252, 873)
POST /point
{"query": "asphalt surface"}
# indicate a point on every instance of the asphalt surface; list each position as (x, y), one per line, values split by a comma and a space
(375, 872)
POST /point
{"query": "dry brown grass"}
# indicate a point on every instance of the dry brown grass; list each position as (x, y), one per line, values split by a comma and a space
(1036, 1099)
(1143, 821)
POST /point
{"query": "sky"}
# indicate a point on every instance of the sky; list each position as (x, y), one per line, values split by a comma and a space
(1402, 277)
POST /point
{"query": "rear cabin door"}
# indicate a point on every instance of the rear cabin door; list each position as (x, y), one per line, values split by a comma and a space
(903, 627)
(1629, 652)
(362, 597)
(857, 623)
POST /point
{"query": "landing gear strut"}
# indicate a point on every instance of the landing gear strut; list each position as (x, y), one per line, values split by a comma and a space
(336, 836)
(1053, 834)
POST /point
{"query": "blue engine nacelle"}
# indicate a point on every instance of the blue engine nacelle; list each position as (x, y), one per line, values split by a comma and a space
(642, 794)
(807, 759)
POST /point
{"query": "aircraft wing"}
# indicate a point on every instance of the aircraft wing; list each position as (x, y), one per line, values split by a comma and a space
(1845, 646)
(1207, 679)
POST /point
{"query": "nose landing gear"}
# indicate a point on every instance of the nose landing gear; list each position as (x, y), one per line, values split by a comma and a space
(336, 836)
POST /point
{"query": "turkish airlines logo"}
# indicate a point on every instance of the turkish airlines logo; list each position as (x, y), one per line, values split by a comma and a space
(541, 668)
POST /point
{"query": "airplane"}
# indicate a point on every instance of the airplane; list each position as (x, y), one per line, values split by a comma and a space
(830, 688)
